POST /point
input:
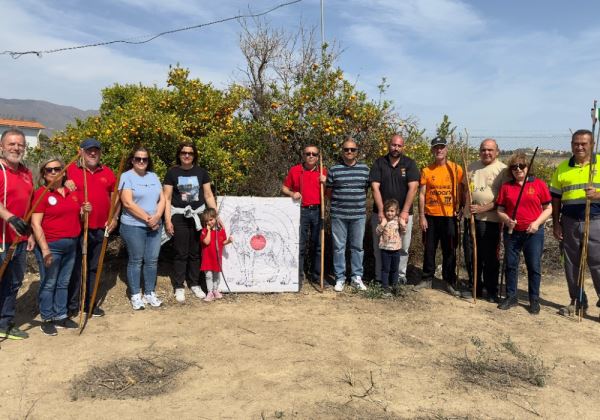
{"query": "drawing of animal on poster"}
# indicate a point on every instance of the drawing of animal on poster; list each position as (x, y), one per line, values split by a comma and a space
(264, 254)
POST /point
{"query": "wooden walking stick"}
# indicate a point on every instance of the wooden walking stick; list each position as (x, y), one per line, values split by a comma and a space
(84, 247)
(27, 218)
(586, 223)
(111, 213)
(472, 226)
(322, 233)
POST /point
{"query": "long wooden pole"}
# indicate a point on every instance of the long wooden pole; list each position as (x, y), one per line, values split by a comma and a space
(472, 225)
(111, 213)
(84, 249)
(322, 233)
(586, 223)
(27, 218)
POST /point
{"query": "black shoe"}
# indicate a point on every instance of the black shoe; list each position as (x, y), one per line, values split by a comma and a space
(508, 303)
(13, 333)
(423, 284)
(98, 312)
(48, 328)
(73, 313)
(534, 307)
(466, 294)
(493, 299)
(66, 323)
(598, 303)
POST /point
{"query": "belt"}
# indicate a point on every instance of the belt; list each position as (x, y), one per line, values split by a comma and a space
(314, 206)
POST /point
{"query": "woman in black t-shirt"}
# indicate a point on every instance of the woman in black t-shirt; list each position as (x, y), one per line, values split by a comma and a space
(187, 192)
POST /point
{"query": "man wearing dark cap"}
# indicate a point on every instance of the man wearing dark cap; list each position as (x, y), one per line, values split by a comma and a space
(439, 205)
(100, 184)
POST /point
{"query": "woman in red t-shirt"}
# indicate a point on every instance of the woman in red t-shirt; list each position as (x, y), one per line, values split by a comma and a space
(56, 224)
(527, 229)
(213, 239)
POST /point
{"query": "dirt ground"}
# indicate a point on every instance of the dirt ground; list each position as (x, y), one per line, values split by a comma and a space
(306, 355)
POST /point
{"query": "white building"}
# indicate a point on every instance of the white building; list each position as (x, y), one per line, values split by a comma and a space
(32, 129)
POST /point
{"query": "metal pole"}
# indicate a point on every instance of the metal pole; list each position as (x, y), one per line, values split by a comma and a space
(322, 24)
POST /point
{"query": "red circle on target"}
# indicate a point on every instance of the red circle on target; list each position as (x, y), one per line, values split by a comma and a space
(258, 242)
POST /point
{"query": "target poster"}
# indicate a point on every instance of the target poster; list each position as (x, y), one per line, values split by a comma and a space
(263, 257)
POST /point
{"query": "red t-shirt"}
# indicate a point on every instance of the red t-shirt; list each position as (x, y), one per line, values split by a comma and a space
(535, 194)
(209, 252)
(306, 182)
(100, 185)
(61, 214)
(19, 186)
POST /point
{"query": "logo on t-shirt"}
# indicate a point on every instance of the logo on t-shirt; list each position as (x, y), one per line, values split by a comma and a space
(188, 187)
(52, 201)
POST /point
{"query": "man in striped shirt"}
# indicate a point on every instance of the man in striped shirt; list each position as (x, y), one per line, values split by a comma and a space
(347, 182)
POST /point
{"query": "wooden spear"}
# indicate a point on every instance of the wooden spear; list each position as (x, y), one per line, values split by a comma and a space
(586, 223)
(27, 218)
(471, 219)
(111, 213)
(84, 247)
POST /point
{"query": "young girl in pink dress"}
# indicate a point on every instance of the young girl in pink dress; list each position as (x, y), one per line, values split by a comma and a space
(212, 239)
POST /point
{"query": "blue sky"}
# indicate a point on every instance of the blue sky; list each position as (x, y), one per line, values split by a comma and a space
(521, 71)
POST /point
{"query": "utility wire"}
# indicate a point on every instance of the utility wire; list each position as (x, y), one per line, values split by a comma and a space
(18, 54)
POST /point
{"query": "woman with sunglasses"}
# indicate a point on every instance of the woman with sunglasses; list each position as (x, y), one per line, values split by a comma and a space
(187, 192)
(526, 231)
(143, 204)
(56, 225)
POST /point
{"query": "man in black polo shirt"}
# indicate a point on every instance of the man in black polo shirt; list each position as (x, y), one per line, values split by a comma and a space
(394, 176)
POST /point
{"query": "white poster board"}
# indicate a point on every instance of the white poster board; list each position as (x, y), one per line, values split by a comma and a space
(264, 254)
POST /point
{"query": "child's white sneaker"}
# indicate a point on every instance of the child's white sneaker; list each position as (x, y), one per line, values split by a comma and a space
(136, 302)
(152, 300)
(180, 295)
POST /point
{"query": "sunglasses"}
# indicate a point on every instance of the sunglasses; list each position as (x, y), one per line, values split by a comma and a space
(311, 154)
(350, 149)
(186, 153)
(53, 169)
(520, 166)
(138, 159)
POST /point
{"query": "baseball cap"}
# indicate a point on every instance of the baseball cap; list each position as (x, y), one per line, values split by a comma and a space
(89, 143)
(438, 141)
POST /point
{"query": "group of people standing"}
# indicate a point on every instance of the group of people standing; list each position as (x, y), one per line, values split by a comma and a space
(506, 201)
(80, 205)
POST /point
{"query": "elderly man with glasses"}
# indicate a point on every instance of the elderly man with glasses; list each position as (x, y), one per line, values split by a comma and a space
(348, 182)
(303, 184)
(486, 176)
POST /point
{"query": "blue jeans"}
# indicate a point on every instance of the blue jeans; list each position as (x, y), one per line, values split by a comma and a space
(143, 246)
(310, 227)
(94, 246)
(532, 247)
(390, 260)
(11, 282)
(351, 232)
(54, 280)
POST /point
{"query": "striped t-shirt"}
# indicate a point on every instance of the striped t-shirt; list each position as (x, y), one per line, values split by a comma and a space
(348, 190)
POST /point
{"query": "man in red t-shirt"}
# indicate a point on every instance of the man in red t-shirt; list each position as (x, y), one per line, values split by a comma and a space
(303, 183)
(100, 185)
(16, 188)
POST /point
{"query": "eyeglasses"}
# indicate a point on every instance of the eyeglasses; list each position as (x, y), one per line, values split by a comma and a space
(53, 169)
(520, 166)
(186, 153)
(350, 149)
(139, 159)
(311, 154)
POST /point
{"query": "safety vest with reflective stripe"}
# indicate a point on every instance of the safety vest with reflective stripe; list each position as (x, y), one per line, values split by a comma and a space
(568, 183)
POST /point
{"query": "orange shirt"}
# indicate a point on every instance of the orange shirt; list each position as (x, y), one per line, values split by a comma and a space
(442, 188)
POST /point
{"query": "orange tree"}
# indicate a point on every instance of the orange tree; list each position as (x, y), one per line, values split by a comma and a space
(158, 119)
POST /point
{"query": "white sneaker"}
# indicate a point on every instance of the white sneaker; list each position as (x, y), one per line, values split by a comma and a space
(152, 300)
(358, 283)
(339, 286)
(180, 295)
(198, 292)
(136, 302)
